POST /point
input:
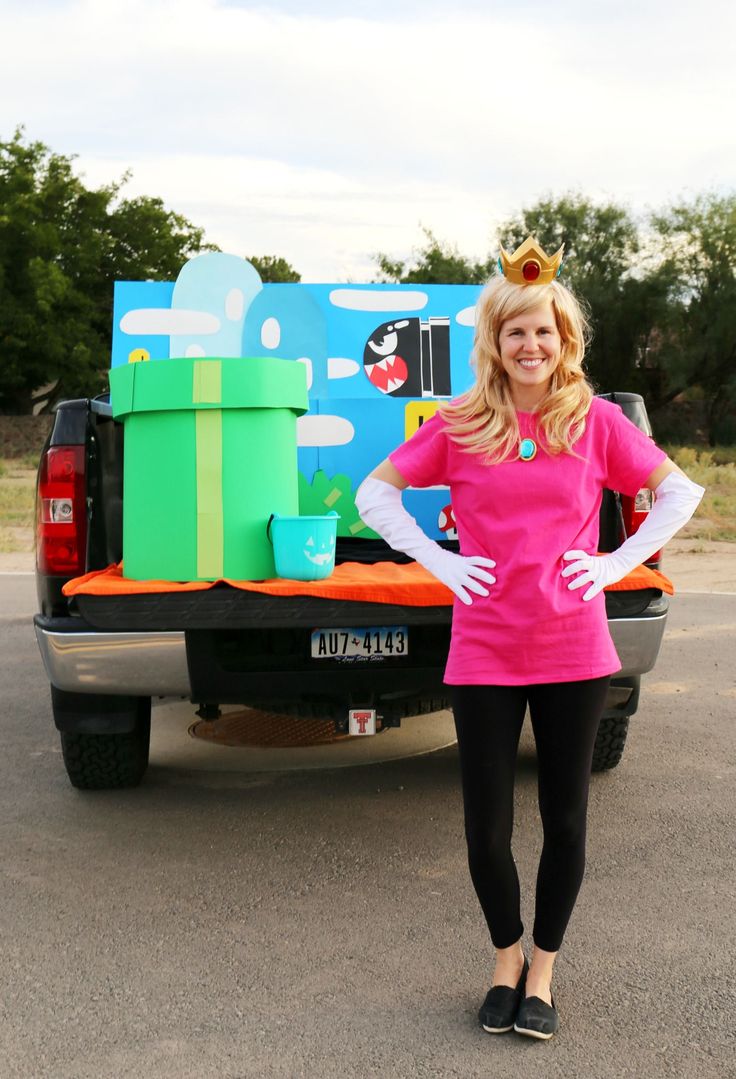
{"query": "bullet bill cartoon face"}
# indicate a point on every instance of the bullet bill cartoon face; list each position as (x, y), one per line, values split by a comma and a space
(410, 358)
(387, 367)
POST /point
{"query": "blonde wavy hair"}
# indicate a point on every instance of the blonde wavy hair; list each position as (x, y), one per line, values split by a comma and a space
(483, 420)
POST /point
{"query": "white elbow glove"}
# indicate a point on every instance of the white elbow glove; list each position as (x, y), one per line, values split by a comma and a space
(379, 505)
(677, 498)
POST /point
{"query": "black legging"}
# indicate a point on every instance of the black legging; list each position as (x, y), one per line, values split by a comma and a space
(488, 720)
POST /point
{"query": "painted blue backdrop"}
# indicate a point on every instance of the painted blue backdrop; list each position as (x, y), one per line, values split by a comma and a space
(378, 358)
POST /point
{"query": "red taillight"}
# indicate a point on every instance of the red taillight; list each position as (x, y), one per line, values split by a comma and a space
(634, 511)
(61, 512)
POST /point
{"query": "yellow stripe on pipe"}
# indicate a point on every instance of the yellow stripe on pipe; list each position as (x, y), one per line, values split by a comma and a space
(207, 384)
(210, 531)
(207, 390)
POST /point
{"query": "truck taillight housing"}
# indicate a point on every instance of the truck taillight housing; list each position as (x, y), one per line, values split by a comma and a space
(61, 512)
(634, 511)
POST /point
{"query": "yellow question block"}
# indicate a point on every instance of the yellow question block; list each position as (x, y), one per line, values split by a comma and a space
(416, 413)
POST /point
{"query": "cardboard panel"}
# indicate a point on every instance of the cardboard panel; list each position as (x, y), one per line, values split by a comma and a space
(222, 287)
(375, 360)
(148, 329)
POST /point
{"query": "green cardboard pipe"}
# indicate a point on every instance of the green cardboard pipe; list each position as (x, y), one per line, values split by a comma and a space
(196, 494)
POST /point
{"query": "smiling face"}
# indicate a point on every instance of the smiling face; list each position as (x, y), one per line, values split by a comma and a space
(530, 347)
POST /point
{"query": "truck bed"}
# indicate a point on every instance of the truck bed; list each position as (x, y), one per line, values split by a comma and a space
(107, 655)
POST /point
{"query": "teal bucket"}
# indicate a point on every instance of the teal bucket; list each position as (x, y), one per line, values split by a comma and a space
(303, 547)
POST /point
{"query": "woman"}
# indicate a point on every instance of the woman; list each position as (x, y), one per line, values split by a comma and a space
(527, 452)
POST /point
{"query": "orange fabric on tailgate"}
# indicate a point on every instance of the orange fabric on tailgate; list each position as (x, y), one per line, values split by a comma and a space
(385, 582)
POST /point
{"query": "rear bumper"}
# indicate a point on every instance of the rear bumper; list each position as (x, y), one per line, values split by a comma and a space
(139, 664)
(154, 663)
(637, 642)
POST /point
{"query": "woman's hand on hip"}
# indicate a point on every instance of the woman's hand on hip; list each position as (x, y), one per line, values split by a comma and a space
(462, 574)
(594, 570)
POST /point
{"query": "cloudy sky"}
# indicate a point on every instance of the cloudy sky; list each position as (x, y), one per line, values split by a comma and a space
(295, 129)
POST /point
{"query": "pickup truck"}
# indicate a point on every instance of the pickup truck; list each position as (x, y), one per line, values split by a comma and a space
(107, 657)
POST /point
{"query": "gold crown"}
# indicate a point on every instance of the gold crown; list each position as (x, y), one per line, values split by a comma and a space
(529, 265)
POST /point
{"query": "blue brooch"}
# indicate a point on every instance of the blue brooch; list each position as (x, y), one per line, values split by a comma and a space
(527, 449)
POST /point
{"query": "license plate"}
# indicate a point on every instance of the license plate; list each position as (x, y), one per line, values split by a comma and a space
(369, 644)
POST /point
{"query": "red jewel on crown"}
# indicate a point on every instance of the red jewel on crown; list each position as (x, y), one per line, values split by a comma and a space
(530, 265)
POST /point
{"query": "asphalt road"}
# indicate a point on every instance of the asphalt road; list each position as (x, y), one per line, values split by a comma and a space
(323, 924)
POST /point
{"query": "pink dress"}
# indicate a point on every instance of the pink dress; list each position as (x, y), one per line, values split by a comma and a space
(525, 515)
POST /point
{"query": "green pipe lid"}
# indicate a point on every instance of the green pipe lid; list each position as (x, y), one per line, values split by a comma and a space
(208, 382)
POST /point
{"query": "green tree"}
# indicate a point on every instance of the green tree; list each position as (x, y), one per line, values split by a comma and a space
(62, 245)
(272, 268)
(435, 263)
(697, 345)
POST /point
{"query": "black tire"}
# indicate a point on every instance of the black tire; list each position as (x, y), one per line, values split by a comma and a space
(609, 745)
(109, 761)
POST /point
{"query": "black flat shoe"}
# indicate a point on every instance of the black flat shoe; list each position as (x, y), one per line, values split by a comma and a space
(537, 1019)
(498, 1011)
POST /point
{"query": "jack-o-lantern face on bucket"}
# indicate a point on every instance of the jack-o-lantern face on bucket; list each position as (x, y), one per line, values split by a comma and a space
(319, 553)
